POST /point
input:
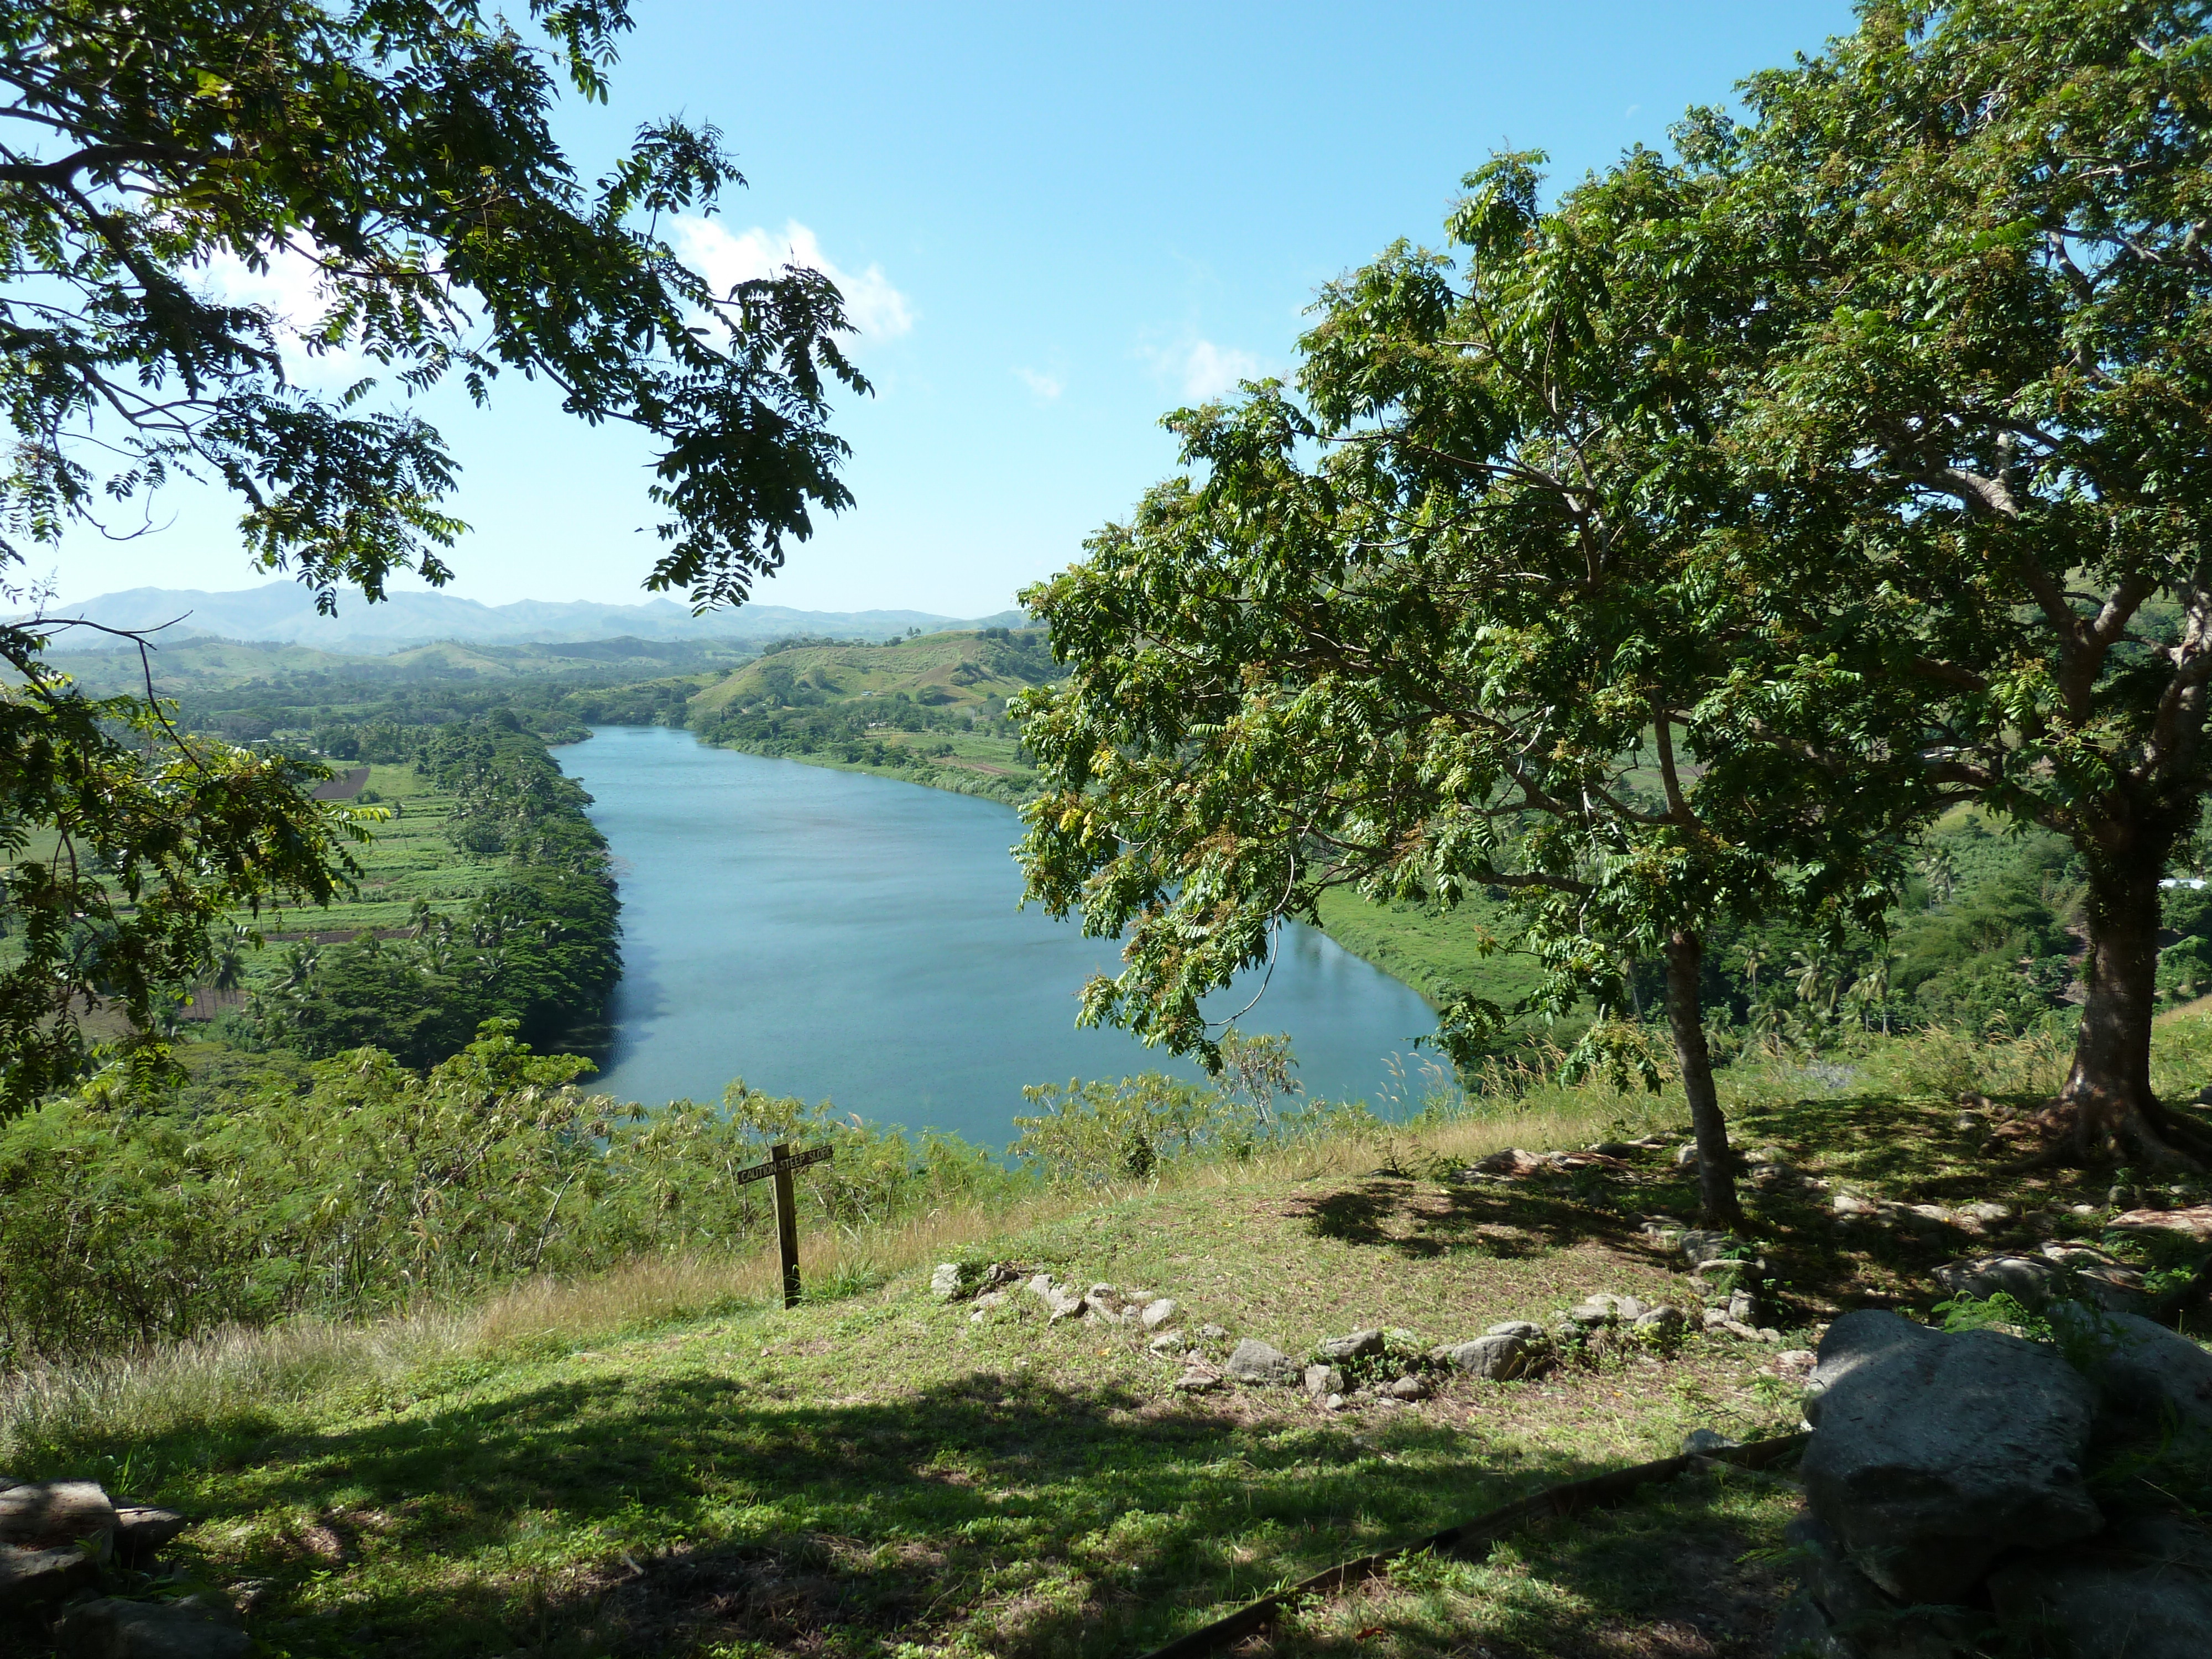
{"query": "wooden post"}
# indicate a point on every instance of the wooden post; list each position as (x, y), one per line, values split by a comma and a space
(787, 1222)
(782, 1163)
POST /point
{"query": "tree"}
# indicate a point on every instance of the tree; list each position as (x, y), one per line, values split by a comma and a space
(1980, 230)
(401, 153)
(1515, 627)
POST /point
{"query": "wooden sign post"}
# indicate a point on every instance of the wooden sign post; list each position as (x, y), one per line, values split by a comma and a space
(781, 1161)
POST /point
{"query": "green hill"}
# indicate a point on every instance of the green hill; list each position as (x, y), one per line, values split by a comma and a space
(933, 671)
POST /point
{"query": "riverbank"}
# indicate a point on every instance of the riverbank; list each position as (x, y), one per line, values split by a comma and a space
(989, 768)
(664, 1460)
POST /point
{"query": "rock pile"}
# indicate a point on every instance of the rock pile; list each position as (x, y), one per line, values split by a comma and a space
(62, 1543)
(1382, 1366)
(1950, 1500)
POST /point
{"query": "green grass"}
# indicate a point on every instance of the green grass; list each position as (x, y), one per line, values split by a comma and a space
(407, 858)
(1439, 955)
(664, 1461)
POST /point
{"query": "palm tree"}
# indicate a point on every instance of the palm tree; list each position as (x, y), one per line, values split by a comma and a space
(228, 960)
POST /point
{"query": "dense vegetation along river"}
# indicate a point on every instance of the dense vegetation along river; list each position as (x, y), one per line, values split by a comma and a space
(822, 933)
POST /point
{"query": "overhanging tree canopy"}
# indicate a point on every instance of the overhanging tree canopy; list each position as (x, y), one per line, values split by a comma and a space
(401, 148)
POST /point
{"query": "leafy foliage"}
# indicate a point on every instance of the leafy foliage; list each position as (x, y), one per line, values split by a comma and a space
(126, 843)
(538, 947)
(127, 1218)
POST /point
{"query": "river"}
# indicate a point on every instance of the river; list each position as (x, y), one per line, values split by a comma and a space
(826, 933)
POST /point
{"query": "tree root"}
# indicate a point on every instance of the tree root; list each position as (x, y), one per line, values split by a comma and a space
(2082, 1132)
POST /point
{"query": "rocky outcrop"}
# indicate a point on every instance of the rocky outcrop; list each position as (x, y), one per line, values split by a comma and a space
(1935, 1452)
(1950, 1513)
(2143, 1590)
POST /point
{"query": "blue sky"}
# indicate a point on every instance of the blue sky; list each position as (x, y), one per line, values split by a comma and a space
(1057, 224)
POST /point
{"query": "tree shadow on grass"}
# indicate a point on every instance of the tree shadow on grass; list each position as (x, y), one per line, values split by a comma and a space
(1523, 1218)
(1683, 1572)
(669, 1514)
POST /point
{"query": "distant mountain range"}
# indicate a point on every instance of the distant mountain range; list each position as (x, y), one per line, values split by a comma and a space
(284, 612)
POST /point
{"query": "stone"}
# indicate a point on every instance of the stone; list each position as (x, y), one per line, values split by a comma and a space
(1743, 1306)
(1838, 1613)
(2059, 1271)
(1499, 1357)
(2195, 1221)
(1258, 1365)
(1334, 1403)
(1357, 1345)
(1686, 1158)
(1606, 1310)
(1708, 1440)
(1665, 1320)
(1408, 1388)
(947, 1281)
(2154, 1381)
(1702, 1246)
(1061, 1302)
(142, 1530)
(1158, 1311)
(1324, 1379)
(1196, 1379)
(1168, 1342)
(1527, 1329)
(984, 1304)
(1797, 1359)
(114, 1629)
(1619, 1149)
(38, 1579)
(42, 1515)
(2143, 1590)
(1213, 1333)
(1936, 1451)
(1852, 1204)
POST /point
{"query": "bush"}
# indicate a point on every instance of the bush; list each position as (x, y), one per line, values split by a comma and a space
(126, 1221)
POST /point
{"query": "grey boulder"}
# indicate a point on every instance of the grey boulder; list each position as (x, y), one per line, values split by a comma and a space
(42, 1514)
(1605, 1310)
(1357, 1345)
(1937, 1451)
(1255, 1362)
(1158, 1311)
(114, 1629)
(37, 1578)
(1499, 1357)
(2155, 1381)
(1528, 1329)
(1838, 1613)
(141, 1530)
(2142, 1591)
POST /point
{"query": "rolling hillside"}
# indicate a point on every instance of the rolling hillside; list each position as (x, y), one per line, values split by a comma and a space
(957, 671)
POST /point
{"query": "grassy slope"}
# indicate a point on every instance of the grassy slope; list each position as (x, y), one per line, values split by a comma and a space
(953, 672)
(873, 1474)
(948, 671)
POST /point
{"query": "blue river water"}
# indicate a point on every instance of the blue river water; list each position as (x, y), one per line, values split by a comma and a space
(830, 934)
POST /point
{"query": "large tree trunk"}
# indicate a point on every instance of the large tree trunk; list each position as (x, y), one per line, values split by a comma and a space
(1686, 1021)
(2106, 1109)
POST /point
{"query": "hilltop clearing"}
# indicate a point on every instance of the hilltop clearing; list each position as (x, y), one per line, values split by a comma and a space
(660, 1461)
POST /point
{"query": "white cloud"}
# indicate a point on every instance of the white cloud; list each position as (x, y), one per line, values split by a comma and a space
(1046, 386)
(1205, 369)
(878, 310)
(291, 288)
